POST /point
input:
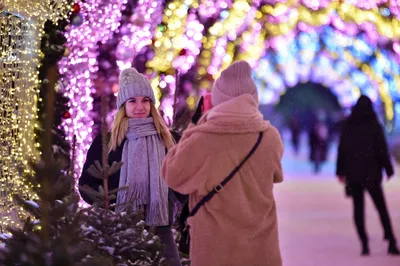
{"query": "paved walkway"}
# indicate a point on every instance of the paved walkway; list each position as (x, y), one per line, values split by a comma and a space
(315, 220)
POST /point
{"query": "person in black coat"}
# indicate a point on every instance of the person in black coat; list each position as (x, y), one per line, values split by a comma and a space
(362, 156)
(140, 139)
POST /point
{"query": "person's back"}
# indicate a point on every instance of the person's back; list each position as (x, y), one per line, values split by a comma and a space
(363, 151)
(238, 226)
(362, 156)
(361, 146)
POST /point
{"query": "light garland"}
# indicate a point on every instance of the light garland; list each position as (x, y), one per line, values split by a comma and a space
(148, 14)
(325, 74)
(233, 20)
(169, 35)
(169, 39)
(189, 39)
(18, 118)
(194, 37)
(21, 28)
(101, 18)
(39, 10)
(277, 18)
(235, 40)
(253, 44)
(192, 40)
(293, 14)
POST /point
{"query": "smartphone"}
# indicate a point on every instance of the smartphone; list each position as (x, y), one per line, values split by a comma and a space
(207, 105)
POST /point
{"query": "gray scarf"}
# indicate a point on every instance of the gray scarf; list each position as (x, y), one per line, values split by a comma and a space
(142, 155)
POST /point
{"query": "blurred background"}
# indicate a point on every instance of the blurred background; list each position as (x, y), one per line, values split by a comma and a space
(311, 61)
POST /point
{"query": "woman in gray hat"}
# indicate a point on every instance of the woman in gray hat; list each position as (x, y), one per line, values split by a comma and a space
(139, 138)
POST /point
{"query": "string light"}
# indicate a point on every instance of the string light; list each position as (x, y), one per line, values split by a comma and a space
(148, 14)
(100, 20)
(253, 44)
(342, 83)
(168, 36)
(191, 40)
(39, 10)
(169, 40)
(294, 13)
(236, 39)
(229, 39)
(208, 35)
(21, 28)
(212, 59)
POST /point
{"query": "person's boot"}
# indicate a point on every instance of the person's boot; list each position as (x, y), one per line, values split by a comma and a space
(365, 249)
(386, 237)
(393, 250)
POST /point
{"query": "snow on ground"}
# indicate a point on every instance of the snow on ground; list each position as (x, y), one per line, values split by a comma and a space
(315, 218)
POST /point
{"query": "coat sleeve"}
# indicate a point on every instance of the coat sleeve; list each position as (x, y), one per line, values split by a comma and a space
(341, 159)
(383, 152)
(94, 154)
(278, 175)
(185, 180)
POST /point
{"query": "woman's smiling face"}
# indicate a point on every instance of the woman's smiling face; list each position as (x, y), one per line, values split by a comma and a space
(138, 107)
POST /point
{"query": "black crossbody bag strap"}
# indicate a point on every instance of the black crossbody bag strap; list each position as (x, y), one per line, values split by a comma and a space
(226, 180)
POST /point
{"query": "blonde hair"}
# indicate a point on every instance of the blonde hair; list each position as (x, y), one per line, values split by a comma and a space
(120, 126)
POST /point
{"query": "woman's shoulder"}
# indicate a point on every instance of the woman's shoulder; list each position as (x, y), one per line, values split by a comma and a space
(96, 142)
(98, 139)
(97, 147)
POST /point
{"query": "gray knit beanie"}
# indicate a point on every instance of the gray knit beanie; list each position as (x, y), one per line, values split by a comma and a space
(132, 84)
(233, 82)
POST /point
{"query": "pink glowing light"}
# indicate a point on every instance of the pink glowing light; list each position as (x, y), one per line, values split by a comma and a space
(101, 19)
(140, 31)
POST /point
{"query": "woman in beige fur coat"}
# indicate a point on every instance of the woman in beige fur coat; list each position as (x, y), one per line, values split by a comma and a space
(238, 226)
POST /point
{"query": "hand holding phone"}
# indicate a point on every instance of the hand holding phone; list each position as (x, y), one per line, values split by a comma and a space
(199, 111)
(207, 104)
(203, 106)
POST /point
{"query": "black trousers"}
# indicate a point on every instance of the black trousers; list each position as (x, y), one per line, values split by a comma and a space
(378, 198)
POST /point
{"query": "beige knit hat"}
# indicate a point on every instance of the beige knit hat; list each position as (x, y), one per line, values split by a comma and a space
(234, 81)
(132, 84)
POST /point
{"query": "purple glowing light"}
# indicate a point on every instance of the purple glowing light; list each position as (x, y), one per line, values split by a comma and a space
(101, 18)
(139, 32)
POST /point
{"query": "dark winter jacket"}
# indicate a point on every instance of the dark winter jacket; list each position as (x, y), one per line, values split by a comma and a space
(363, 152)
(95, 153)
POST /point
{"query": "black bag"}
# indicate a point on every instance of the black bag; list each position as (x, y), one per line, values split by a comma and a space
(184, 243)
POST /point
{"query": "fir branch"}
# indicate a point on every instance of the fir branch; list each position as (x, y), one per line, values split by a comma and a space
(73, 160)
(104, 142)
